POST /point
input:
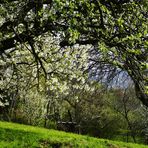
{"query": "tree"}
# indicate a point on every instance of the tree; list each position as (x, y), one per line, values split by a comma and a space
(124, 103)
(117, 29)
(45, 80)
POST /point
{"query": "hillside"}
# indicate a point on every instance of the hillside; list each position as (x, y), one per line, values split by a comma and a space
(22, 136)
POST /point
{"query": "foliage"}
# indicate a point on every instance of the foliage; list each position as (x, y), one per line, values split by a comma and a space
(116, 30)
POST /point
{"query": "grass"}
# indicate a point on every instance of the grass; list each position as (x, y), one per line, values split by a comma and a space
(23, 136)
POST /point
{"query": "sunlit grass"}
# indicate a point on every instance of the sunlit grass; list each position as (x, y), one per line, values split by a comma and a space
(22, 136)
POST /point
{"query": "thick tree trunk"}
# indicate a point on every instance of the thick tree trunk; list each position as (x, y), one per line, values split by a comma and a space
(141, 94)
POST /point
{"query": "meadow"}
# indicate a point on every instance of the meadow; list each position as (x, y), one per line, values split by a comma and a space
(14, 135)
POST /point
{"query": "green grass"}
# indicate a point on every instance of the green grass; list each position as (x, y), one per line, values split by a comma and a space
(22, 136)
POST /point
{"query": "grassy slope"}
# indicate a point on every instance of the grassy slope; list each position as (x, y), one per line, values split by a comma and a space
(21, 136)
